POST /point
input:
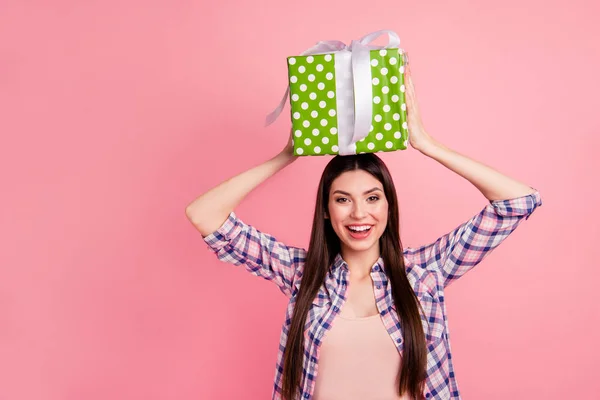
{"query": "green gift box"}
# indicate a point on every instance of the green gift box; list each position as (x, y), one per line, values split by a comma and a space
(347, 99)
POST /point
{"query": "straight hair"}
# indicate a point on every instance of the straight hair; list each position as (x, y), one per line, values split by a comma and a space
(323, 247)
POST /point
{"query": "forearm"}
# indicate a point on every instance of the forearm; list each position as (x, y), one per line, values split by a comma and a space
(210, 210)
(491, 183)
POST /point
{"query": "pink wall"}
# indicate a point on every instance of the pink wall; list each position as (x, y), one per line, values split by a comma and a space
(115, 115)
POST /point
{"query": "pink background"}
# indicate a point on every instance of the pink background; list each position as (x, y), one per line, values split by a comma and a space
(116, 115)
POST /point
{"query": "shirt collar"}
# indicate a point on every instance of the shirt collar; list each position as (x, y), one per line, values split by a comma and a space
(339, 262)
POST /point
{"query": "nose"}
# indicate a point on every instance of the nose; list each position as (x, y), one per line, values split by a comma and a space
(358, 211)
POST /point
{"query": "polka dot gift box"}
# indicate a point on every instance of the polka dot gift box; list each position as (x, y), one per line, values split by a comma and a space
(347, 99)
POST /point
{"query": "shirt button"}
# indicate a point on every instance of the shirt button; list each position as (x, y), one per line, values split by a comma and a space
(313, 359)
(306, 395)
(428, 395)
(378, 286)
(335, 308)
(399, 340)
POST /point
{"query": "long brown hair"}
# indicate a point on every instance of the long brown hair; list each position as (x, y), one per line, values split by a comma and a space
(323, 248)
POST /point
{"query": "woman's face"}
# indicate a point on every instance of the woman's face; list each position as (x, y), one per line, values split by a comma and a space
(358, 210)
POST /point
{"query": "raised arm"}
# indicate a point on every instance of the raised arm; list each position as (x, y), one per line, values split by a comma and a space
(457, 252)
(491, 183)
(210, 210)
(511, 202)
(238, 243)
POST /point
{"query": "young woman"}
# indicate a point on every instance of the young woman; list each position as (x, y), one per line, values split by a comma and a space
(366, 318)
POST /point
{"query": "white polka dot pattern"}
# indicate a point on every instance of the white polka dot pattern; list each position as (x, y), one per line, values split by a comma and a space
(315, 98)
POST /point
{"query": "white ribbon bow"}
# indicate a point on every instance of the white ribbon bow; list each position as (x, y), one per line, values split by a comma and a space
(362, 85)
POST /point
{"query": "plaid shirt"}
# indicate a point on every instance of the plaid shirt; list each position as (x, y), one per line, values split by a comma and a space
(429, 268)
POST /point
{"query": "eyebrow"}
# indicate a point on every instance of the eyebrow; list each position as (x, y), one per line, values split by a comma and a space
(367, 192)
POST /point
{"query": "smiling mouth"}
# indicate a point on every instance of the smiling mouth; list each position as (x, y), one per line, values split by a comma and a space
(359, 230)
(360, 234)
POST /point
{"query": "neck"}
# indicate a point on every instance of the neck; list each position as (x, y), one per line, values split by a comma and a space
(360, 262)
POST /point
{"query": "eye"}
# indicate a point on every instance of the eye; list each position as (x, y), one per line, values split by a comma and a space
(340, 198)
(374, 197)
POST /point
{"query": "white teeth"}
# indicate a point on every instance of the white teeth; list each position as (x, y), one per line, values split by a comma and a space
(359, 228)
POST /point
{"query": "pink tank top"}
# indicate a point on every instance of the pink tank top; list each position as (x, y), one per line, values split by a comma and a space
(357, 360)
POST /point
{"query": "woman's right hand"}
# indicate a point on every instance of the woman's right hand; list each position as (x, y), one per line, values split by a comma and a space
(289, 148)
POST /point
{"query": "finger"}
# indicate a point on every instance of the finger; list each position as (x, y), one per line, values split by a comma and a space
(409, 104)
(410, 99)
(411, 87)
(408, 90)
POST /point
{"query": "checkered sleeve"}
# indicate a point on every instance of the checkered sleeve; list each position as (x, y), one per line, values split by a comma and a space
(457, 252)
(261, 254)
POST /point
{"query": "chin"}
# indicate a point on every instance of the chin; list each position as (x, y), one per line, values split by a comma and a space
(362, 246)
(358, 245)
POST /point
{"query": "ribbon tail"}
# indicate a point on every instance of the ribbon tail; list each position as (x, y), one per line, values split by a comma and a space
(273, 115)
(321, 47)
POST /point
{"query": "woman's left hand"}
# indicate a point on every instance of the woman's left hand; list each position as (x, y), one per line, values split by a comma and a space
(417, 136)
